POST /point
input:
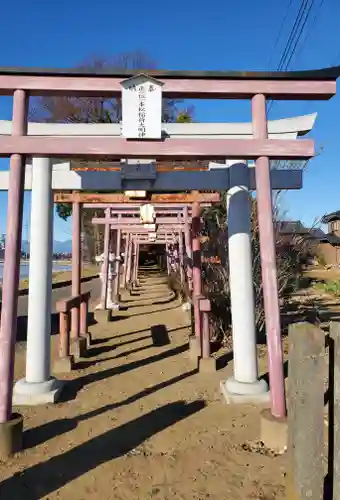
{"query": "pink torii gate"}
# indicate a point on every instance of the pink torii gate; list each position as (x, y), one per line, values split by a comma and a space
(165, 225)
(257, 86)
(114, 219)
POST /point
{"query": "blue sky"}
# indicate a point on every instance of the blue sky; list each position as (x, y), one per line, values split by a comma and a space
(198, 35)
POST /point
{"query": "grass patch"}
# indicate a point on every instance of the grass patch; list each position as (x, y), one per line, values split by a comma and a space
(332, 287)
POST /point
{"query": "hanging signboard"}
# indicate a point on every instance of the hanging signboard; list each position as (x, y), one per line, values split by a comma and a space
(142, 107)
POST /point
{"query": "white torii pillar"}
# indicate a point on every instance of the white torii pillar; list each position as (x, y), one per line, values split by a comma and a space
(38, 387)
(245, 385)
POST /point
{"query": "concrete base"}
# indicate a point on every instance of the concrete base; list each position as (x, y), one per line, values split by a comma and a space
(235, 392)
(103, 315)
(207, 365)
(63, 365)
(88, 337)
(33, 394)
(186, 306)
(274, 431)
(194, 348)
(11, 436)
(78, 347)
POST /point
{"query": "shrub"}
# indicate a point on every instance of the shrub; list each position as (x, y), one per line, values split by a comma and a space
(289, 258)
(332, 287)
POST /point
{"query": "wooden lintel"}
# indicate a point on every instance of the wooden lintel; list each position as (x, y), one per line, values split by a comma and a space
(168, 149)
(203, 87)
(121, 198)
(159, 168)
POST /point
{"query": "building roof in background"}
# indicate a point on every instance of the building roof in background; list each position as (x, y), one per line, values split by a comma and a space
(332, 216)
(296, 227)
(331, 238)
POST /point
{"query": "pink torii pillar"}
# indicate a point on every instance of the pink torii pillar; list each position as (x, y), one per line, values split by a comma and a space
(135, 277)
(195, 347)
(126, 257)
(78, 343)
(167, 253)
(188, 249)
(268, 263)
(116, 281)
(129, 260)
(10, 286)
(181, 256)
(105, 269)
(111, 272)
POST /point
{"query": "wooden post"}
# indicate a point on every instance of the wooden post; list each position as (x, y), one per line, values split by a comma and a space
(305, 411)
(205, 308)
(334, 420)
(64, 341)
(83, 317)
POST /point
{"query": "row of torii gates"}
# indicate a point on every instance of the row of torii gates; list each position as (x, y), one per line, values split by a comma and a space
(143, 137)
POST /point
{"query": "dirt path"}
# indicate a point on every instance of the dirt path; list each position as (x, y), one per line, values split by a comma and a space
(139, 422)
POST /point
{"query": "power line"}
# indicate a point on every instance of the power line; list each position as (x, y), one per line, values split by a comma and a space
(294, 37)
(310, 28)
(300, 34)
(280, 32)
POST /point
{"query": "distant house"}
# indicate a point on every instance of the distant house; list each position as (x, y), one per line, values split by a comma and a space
(329, 245)
(290, 232)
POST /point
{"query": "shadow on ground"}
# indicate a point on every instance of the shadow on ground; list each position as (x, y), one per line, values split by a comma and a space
(45, 478)
(22, 325)
(74, 386)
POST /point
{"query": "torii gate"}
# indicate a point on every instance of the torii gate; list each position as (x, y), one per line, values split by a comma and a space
(132, 209)
(129, 224)
(258, 87)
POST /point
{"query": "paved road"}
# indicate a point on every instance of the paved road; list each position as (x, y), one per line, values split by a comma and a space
(57, 294)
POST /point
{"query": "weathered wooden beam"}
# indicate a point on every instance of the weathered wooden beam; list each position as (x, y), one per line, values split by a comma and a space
(173, 87)
(123, 221)
(157, 242)
(122, 209)
(134, 209)
(334, 408)
(159, 168)
(306, 411)
(168, 228)
(174, 198)
(171, 149)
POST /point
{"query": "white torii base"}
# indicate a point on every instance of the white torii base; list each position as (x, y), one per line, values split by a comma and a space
(244, 386)
(38, 387)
